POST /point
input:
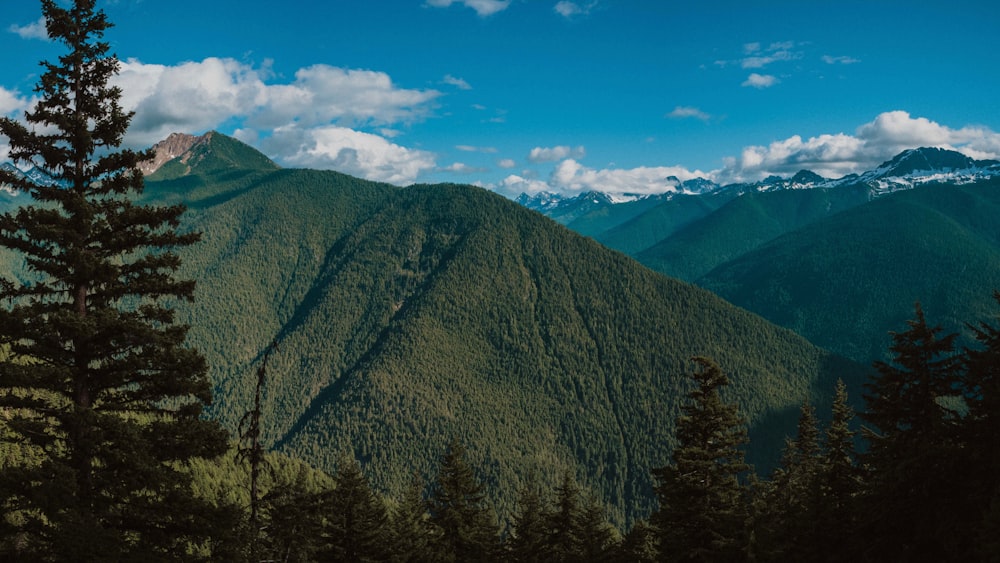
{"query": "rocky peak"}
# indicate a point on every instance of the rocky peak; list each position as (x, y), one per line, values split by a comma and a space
(170, 148)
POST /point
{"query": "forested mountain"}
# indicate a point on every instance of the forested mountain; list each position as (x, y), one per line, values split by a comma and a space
(844, 282)
(839, 261)
(404, 317)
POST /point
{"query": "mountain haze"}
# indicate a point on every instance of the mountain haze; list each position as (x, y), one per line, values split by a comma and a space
(406, 316)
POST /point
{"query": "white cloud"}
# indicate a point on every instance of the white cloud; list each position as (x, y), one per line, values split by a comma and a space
(462, 168)
(352, 152)
(459, 83)
(568, 9)
(682, 112)
(225, 89)
(760, 80)
(483, 8)
(571, 176)
(843, 60)
(552, 154)
(506, 163)
(836, 155)
(514, 185)
(34, 30)
(470, 148)
(11, 102)
(313, 117)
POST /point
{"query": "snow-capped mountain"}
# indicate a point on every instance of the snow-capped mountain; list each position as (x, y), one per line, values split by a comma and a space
(33, 175)
(906, 170)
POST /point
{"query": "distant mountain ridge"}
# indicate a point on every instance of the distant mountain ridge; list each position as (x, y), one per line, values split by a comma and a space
(908, 169)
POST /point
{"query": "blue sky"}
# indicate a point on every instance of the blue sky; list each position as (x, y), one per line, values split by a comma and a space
(531, 95)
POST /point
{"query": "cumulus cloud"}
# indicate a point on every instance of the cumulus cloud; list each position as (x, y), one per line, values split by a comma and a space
(552, 154)
(683, 112)
(34, 30)
(226, 89)
(836, 155)
(318, 109)
(760, 81)
(353, 152)
(514, 185)
(571, 176)
(506, 163)
(11, 101)
(462, 168)
(483, 8)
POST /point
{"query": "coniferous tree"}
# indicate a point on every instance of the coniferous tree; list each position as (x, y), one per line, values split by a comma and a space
(413, 534)
(840, 481)
(639, 544)
(787, 507)
(980, 457)
(565, 543)
(98, 377)
(599, 540)
(458, 506)
(703, 507)
(529, 540)
(355, 523)
(907, 503)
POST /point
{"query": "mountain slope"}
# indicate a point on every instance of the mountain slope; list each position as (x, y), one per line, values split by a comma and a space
(846, 281)
(743, 224)
(406, 316)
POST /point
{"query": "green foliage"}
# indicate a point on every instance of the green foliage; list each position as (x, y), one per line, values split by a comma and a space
(458, 507)
(407, 315)
(703, 511)
(846, 281)
(99, 390)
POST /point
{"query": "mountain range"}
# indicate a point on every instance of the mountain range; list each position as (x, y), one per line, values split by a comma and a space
(841, 262)
(403, 317)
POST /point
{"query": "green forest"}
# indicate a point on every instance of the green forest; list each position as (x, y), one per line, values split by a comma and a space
(231, 361)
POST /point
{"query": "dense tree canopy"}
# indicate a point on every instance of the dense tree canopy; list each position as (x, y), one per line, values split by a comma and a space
(98, 381)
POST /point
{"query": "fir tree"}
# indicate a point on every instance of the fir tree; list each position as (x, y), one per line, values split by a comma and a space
(458, 506)
(99, 377)
(529, 540)
(840, 482)
(702, 514)
(565, 543)
(356, 522)
(907, 501)
(413, 533)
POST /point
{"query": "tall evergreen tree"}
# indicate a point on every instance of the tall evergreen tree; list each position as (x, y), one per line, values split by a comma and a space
(565, 543)
(356, 522)
(840, 481)
(908, 498)
(529, 540)
(458, 506)
(787, 508)
(99, 378)
(703, 506)
(413, 534)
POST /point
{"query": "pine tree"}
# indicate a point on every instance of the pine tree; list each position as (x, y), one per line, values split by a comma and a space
(598, 538)
(908, 498)
(458, 506)
(840, 482)
(98, 377)
(565, 543)
(413, 533)
(702, 513)
(529, 541)
(787, 507)
(356, 522)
